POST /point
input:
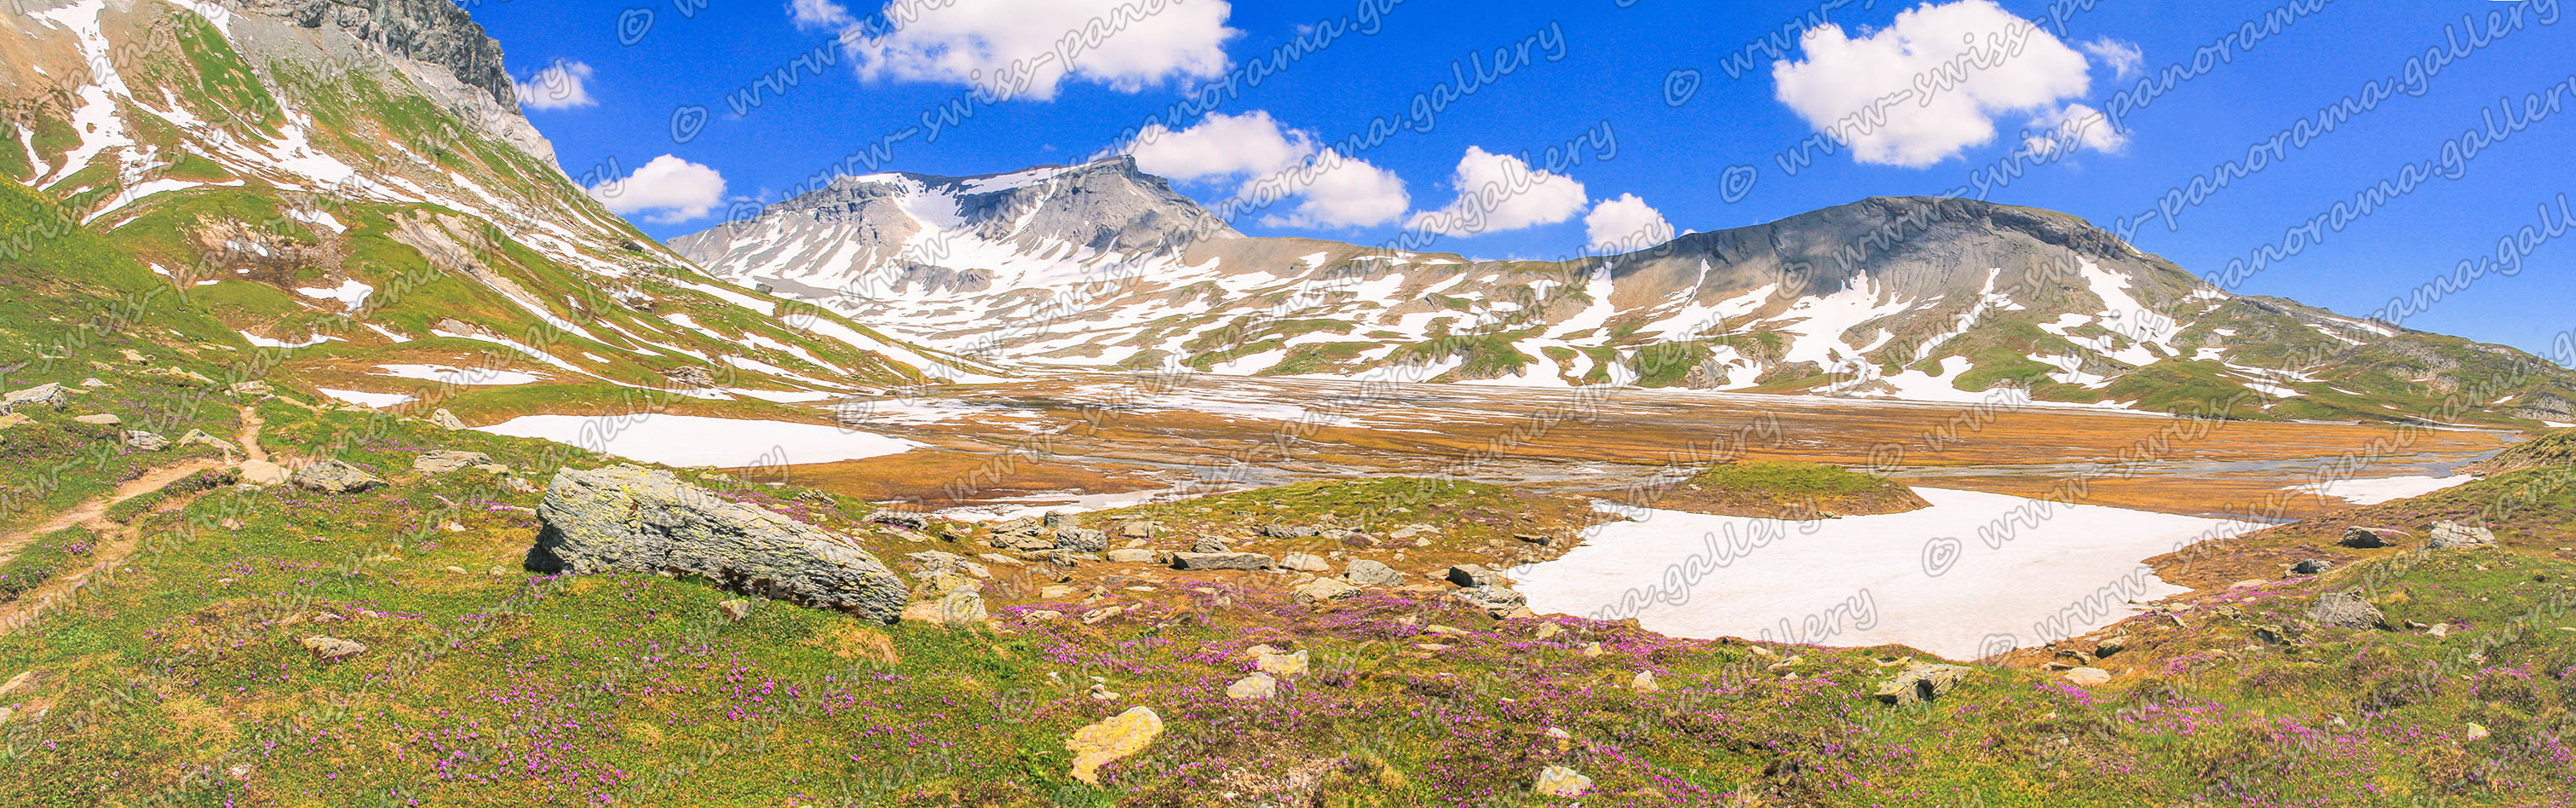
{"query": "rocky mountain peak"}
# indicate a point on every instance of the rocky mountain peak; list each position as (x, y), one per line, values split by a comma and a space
(436, 32)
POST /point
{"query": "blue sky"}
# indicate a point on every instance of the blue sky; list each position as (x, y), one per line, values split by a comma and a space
(1625, 74)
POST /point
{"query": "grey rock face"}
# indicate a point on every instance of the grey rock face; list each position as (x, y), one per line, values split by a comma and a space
(442, 461)
(334, 477)
(1081, 539)
(2371, 538)
(435, 31)
(1211, 544)
(637, 519)
(1288, 531)
(1220, 561)
(2448, 535)
(1370, 573)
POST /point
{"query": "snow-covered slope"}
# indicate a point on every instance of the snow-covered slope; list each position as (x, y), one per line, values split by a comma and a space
(1920, 298)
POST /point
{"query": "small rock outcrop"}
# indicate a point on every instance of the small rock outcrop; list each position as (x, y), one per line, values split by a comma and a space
(2345, 609)
(1561, 782)
(1922, 682)
(1473, 575)
(145, 441)
(332, 477)
(632, 518)
(48, 394)
(2311, 566)
(1255, 686)
(1304, 562)
(1370, 573)
(446, 420)
(2371, 538)
(332, 649)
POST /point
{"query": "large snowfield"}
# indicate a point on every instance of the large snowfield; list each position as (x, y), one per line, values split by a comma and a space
(1959, 579)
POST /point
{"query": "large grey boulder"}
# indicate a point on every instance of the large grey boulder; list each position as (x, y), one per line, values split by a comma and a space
(2449, 535)
(334, 477)
(2372, 538)
(48, 394)
(642, 520)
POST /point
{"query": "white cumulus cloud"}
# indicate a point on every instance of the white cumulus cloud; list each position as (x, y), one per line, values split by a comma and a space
(2123, 58)
(1498, 192)
(1928, 85)
(666, 190)
(1029, 48)
(1267, 164)
(812, 14)
(1625, 224)
(2077, 126)
(561, 85)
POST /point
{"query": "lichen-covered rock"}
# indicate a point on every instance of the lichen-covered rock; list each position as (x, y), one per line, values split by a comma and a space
(1119, 736)
(1256, 686)
(1220, 561)
(2346, 609)
(333, 477)
(638, 519)
(48, 394)
(442, 461)
(1561, 782)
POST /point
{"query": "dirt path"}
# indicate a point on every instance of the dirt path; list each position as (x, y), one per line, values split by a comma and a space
(95, 509)
(116, 541)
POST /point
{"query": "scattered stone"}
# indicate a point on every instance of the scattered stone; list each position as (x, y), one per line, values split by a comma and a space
(633, 518)
(253, 387)
(442, 461)
(100, 419)
(1472, 575)
(1053, 519)
(1922, 682)
(1220, 561)
(2449, 535)
(2477, 732)
(1370, 573)
(1255, 686)
(1561, 782)
(1304, 562)
(10, 419)
(48, 394)
(1548, 630)
(735, 610)
(1534, 538)
(1081, 539)
(2088, 676)
(2111, 645)
(2438, 629)
(93, 382)
(332, 649)
(455, 569)
(2075, 657)
(1289, 532)
(901, 519)
(334, 477)
(519, 485)
(1324, 589)
(446, 420)
(2311, 566)
(143, 441)
(1137, 529)
(1276, 662)
(2345, 609)
(1211, 544)
(1099, 744)
(1135, 556)
(2372, 538)
(1592, 649)
(1644, 682)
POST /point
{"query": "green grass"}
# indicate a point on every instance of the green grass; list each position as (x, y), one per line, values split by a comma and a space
(44, 557)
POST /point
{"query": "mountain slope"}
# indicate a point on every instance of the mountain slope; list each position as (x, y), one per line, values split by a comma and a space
(1921, 298)
(352, 186)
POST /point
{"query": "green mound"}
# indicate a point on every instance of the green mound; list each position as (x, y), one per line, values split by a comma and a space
(1788, 489)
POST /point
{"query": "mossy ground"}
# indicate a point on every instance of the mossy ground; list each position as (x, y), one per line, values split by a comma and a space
(1786, 489)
